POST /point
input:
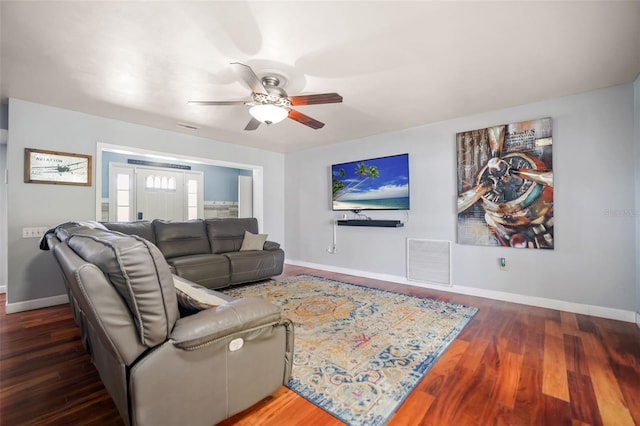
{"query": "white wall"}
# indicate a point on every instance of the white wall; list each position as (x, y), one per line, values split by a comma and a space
(593, 262)
(32, 274)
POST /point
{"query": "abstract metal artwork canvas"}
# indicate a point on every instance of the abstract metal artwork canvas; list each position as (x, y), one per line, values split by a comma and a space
(505, 185)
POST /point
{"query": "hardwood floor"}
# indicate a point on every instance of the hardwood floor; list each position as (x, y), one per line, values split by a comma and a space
(512, 365)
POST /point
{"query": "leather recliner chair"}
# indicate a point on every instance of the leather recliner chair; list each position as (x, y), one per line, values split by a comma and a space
(160, 368)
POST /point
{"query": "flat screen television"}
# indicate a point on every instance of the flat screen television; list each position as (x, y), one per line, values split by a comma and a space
(373, 184)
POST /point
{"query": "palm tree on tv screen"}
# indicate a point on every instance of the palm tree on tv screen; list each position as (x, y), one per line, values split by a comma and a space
(362, 170)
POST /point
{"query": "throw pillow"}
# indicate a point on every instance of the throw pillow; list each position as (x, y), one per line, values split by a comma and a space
(193, 297)
(253, 241)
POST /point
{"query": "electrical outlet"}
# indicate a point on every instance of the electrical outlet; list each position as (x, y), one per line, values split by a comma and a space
(502, 264)
(35, 232)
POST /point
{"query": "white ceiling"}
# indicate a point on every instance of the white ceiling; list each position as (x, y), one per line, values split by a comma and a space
(397, 64)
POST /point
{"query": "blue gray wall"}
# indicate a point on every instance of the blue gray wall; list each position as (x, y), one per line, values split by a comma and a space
(32, 273)
(594, 261)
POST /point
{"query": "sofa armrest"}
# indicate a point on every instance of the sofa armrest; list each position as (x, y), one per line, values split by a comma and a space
(209, 325)
(271, 245)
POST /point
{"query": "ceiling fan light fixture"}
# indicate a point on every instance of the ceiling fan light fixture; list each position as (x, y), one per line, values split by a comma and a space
(268, 114)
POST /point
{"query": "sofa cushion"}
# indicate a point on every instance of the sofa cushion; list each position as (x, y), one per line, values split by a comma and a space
(271, 245)
(141, 228)
(209, 270)
(226, 235)
(139, 273)
(247, 266)
(67, 229)
(253, 241)
(63, 231)
(193, 297)
(177, 239)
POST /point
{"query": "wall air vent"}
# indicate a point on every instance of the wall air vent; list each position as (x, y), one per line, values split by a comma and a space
(429, 261)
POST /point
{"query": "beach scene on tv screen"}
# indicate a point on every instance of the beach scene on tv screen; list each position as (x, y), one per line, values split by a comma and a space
(374, 184)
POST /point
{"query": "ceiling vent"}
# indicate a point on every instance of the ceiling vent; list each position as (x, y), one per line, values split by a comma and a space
(187, 126)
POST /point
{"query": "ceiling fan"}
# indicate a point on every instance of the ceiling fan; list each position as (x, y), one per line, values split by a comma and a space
(270, 104)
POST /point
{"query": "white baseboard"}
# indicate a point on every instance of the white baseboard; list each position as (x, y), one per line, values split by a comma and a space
(560, 305)
(3, 289)
(578, 308)
(28, 305)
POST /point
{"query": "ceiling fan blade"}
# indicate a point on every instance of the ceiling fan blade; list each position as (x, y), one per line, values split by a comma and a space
(305, 119)
(218, 102)
(249, 77)
(252, 124)
(323, 98)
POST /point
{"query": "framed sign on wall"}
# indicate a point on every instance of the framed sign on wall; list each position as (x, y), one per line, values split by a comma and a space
(60, 168)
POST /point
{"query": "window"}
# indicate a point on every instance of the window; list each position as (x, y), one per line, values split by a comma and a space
(160, 183)
(123, 192)
(192, 199)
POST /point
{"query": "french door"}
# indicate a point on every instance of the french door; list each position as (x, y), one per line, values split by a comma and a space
(146, 193)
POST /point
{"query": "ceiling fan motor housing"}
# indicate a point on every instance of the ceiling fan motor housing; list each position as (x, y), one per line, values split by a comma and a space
(270, 103)
(272, 99)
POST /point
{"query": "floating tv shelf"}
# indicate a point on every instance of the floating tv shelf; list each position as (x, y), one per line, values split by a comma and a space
(372, 222)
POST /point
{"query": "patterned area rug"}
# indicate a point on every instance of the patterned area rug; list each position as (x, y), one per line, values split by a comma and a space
(360, 351)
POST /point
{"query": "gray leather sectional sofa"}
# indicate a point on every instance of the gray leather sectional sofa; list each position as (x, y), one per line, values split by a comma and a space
(162, 368)
(207, 252)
